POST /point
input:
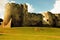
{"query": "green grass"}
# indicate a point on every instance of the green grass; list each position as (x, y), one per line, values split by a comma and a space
(28, 33)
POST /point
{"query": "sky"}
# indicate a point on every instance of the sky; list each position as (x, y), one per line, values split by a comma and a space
(36, 6)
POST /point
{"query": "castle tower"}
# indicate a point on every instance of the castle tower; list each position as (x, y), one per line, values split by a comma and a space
(7, 14)
(16, 12)
(24, 14)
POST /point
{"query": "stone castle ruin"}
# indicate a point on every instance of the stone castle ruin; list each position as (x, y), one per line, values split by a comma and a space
(51, 19)
(21, 17)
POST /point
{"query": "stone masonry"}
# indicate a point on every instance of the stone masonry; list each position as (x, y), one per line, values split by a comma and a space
(21, 17)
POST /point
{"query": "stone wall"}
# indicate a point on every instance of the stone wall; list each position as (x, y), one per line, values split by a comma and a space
(21, 17)
(35, 19)
(57, 18)
(47, 18)
(13, 11)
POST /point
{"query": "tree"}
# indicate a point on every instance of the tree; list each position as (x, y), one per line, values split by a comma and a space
(1, 20)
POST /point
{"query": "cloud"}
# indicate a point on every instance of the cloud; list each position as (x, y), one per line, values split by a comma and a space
(2, 5)
(12, 2)
(30, 8)
(56, 8)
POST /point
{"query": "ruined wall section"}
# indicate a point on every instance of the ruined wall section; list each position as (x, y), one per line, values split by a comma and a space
(57, 18)
(21, 17)
(51, 19)
(47, 18)
(35, 19)
(18, 13)
(8, 13)
(24, 10)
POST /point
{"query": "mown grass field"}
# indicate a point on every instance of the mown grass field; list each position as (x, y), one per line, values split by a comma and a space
(28, 33)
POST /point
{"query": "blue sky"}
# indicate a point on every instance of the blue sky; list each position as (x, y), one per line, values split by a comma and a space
(38, 5)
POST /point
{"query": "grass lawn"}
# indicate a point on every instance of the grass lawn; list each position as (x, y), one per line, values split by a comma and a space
(28, 33)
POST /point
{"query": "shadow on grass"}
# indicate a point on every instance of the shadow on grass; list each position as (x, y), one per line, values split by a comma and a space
(1, 34)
